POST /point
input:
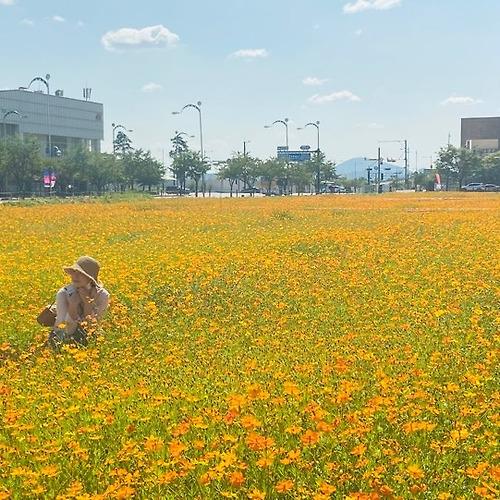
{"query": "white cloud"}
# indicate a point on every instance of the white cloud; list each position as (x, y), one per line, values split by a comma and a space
(358, 32)
(460, 100)
(58, 19)
(129, 38)
(314, 81)
(360, 5)
(151, 87)
(335, 96)
(6, 2)
(27, 22)
(250, 53)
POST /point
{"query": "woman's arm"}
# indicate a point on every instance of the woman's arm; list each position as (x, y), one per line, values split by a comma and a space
(66, 309)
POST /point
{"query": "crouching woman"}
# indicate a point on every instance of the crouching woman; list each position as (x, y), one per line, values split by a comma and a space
(80, 305)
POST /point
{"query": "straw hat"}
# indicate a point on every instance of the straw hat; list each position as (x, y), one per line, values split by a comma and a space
(87, 266)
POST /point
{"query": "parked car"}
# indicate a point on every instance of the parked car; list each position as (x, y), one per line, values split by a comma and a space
(334, 188)
(491, 187)
(251, 190)
(473, 186)
(176, 190)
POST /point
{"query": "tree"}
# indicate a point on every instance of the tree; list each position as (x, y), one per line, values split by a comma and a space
(103, 169)
(491, 168)
(122, 144)
(322, 170)
(271, 170)
(22, 161)
(231, 173)
(457, 164)
(179, 168)
(300, 176)
(73, 170)
(241, 167)
(190, 164)
(141, 167)
(179, 145)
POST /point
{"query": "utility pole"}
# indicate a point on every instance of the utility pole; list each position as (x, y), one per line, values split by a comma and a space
(405, 142)
(379, 163)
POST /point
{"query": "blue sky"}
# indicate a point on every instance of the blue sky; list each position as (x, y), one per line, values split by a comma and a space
(370, 71)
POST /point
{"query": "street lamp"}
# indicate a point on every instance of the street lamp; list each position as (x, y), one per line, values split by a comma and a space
(114, 130)
(316, 124)
(45, 81)
(11, 112)
(196, 106)
(285, 123)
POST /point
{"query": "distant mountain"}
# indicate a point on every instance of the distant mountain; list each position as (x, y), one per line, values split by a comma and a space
(357, 168)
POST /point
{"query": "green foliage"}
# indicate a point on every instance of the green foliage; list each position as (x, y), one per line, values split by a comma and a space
(241, 167)
(458, 164)
(189, 164)
(122, 144)
(141, 168)
(21, 162)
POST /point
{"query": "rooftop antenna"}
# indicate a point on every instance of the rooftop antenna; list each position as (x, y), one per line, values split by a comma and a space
(87, 91)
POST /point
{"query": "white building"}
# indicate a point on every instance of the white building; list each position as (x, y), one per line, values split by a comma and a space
(54, 120)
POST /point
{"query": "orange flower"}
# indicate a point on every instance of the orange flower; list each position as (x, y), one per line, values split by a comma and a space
(236, 479)
(310, 437)
(176, 447)
(153, 443)
(264, 462)
(256, 494)
(359, 450)
(284, 486)
(385, 491)
(250, 422)
(326, 488)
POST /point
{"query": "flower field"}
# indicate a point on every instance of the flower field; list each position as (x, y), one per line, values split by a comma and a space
(316, 347)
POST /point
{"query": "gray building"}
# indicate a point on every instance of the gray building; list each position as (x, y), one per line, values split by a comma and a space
(482, 134)
(54, 120)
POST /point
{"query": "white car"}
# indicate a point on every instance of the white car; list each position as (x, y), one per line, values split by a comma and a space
(473, 186)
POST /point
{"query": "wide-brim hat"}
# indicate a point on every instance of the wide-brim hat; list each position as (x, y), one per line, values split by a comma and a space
(87, 266)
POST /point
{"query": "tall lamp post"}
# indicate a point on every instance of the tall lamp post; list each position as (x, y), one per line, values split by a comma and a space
(45, 81)
(315, 124)
(285, 123)
(11, 112)
(196, 106)
(114, 130)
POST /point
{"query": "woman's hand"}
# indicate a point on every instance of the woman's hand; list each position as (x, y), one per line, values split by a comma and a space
(87, 297)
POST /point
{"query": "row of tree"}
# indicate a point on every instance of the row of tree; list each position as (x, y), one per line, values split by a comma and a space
(22, 165)
(243, 170)
(463, 165)
(22, 168)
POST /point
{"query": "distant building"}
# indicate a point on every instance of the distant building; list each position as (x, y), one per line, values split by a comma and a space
(482, 134)
(63, 122)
